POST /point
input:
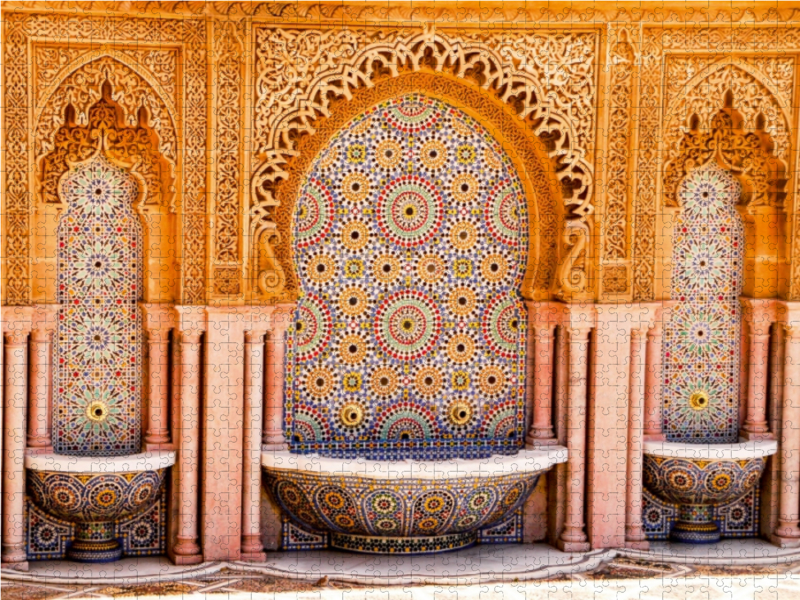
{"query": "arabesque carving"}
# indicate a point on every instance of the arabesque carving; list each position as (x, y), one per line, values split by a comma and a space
(229, 44)
(135, 55)
(755, 87)
(616, 213)
(300, 72)
(735, 149)
(127, 145)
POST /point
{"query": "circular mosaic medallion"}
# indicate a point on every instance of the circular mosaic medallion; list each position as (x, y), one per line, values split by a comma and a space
(355, 235)
(388, 154)
(383, 381)
(355, 187)
(460, 348)
(352, 349)
(502, 213)
(315, 214)
(492, 381)
(502, 324)
(312, 328)
(428, 381)
(430, 268)
(463, 236)
(409, 211)
(494, 268)
(407, 325)
(353, 301)
(461, 301)
(412, 115)
(386, 268)
(464, 187)
(433, 154)
(320, 382)
(321, 268)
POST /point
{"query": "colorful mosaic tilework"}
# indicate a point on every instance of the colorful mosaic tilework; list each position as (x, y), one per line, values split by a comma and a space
(507, 532)
(701, 341)
(739, 518)
(142, 535)
(410, 240)
(407, 508)
(98, 344)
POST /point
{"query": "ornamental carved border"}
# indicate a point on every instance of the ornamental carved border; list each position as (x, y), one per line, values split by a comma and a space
(618, 198)
(548, 77)
(99, 63)
(718, 70)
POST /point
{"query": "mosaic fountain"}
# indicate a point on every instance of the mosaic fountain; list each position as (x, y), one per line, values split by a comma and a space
(405, 405)
(96, 474)
(703, 463)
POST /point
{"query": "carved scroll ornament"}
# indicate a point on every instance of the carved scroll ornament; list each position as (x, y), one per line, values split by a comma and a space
(300, 72)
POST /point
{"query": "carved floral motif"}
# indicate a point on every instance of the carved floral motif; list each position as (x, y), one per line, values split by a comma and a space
(300, 72)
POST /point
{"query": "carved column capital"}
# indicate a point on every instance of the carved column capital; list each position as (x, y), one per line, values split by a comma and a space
(282, 318)
(16, 337)
(191, 336)
(254, 337)
(157, 336)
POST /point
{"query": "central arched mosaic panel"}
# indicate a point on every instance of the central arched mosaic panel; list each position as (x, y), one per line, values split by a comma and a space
(410, 240)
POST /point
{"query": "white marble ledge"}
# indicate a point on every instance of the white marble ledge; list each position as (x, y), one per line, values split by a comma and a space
(742, 450)
(525, 461)
(39, 460)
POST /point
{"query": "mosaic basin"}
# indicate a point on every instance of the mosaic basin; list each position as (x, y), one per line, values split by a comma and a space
(404, 506)
(699, 476)
(92, 493)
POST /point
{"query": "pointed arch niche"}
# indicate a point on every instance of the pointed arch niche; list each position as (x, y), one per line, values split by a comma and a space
(138, 131)
(746, 146)
(541, 178)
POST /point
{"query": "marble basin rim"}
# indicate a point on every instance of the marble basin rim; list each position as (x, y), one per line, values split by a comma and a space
(405, 506)
(698, 477)
(94, 492)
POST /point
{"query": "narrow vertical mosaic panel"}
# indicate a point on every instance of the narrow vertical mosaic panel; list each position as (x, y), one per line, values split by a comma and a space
(98, 346)
(410, 240)
(701, 341)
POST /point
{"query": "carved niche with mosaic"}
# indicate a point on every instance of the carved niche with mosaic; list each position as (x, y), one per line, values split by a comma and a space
(410, 239)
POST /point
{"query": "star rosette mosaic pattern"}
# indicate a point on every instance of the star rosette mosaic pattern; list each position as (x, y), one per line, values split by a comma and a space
(98, 341)
(410, 239)
(701, 350)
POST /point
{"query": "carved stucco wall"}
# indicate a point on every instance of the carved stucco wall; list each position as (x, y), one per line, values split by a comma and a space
(270, 74)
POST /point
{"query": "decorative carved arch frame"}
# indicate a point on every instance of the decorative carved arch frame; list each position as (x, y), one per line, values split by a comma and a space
(706, 52)
(115, 37)
(300, 73)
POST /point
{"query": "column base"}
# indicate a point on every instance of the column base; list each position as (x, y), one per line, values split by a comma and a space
(181, 560)
(784, 542)
(540, 442)
(258, 557)
(573, 546)
(755, 436)
(274, 446)
(153, 440)
(167, 446)
(637, 545)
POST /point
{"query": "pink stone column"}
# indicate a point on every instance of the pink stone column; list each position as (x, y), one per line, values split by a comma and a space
(158, 386)
(634, 528)
(187, 550)
(787, 534)
(252, 548)
(16, 376)
(653, 420)
(39, 413)
(282, 319)
(759, 318)
(540, 383)
(573, 538)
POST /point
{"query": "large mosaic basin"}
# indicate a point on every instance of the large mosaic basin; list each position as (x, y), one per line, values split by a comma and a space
(404, 506)
(93, 493)
(697, 477)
